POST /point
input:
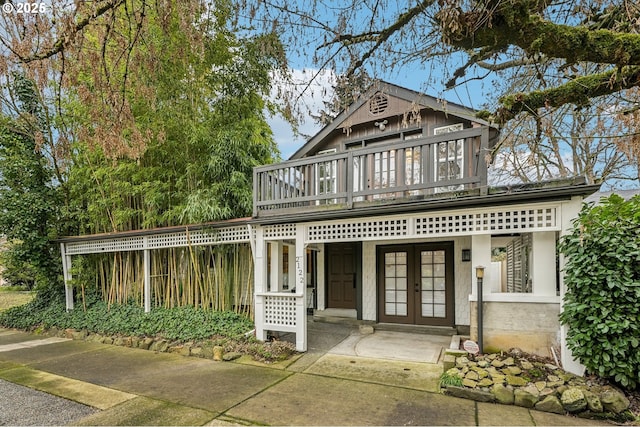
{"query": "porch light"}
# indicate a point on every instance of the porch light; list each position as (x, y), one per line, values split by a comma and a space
(466, 255)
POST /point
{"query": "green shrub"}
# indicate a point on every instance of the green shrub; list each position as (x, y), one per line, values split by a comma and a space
(602, 277)
(450, 378)
(183, 323)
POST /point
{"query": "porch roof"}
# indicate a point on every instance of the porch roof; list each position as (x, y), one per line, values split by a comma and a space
(504, 195)
(154, 231)
(546, 191)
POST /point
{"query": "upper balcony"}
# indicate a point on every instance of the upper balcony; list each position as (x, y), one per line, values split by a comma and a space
(384, 173)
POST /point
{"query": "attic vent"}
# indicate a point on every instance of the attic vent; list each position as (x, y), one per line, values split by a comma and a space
(378, 104)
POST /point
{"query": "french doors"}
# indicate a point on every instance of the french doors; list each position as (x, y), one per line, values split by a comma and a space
(415, 284)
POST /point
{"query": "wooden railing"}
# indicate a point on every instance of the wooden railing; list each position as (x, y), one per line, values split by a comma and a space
(410, 169)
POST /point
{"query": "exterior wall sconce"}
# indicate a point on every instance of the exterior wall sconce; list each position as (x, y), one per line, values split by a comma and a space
(466, 255)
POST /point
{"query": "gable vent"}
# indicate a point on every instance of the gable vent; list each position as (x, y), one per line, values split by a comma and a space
(378, 104)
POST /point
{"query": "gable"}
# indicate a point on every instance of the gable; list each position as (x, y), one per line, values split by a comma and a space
(387, 111)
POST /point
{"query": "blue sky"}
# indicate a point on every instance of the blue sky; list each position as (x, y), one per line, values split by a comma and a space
(470, 95)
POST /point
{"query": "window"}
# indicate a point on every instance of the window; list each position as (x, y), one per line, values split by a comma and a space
(326, 177)
(449, 158)
(511, 258)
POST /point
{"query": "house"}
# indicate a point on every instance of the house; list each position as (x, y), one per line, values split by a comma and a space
(384, 217)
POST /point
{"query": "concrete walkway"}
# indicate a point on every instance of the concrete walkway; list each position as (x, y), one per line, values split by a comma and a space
(342, 380)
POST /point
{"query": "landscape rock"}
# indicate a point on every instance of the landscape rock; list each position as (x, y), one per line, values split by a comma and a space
(516, 381)
(79, 335)
(614, 401)
(503, 394)
(540, 385)
(485, 382)
(227, 357)
(461, 361)
(218, 352)
(497, 363)
(593, 401)
(465, 393)
(550, 404)
(472, 375)
(512, 370)
(526, 365)
(145, 344)
(524, 398)
(469, 383)
(573, 400)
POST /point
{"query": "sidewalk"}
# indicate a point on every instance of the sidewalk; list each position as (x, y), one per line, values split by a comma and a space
(138, 387)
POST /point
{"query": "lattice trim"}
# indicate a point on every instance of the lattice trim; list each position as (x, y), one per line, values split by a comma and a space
(105, 245)
(235, 234)
(199, 237)
(492, 221)
(280, 231)
(280, 311)
(358, 230)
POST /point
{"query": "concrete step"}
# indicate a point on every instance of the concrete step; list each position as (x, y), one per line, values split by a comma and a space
(417, 329)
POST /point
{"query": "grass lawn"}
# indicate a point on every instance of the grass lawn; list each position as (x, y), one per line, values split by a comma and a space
(10, 299)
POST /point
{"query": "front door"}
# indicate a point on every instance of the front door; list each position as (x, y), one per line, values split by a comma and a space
(415, 284)
(341, 272)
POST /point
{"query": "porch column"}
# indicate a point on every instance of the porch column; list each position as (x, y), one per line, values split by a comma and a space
(275, 249)
(543, 264)
(570, 210)
(320, 281)
(291, 274)
(66, 266)
(147, 275)
(301, 289)
(259, 283)
(480, 255)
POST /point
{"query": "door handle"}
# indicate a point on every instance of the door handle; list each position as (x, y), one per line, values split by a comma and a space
(417, 287)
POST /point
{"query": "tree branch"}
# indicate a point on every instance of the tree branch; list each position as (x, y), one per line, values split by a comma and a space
(516, 24)
(578, 92)
(63, 40)
(379, 37)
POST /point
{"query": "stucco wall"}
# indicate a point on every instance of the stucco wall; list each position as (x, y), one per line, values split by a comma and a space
(462, 274)
(531, 327)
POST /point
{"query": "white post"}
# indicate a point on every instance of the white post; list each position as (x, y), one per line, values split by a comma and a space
(570, 210)
(543, 272)
(147, 276)
(66, 265)
(301, 289)
(259, 283)
(275, 249)
(480, 255)
(320, 279)
(291, 274)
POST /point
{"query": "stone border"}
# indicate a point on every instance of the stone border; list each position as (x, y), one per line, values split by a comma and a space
(520, 379)
(208, 349)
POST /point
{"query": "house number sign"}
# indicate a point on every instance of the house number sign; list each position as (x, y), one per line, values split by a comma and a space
(299, 272)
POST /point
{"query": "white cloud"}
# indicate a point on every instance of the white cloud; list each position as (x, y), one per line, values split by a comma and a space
(309, 88)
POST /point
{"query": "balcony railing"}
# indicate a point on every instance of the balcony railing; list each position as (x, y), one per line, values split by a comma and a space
(388, 172)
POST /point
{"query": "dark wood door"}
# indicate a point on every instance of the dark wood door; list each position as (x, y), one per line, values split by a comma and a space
(341, 274)
(415, 284)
